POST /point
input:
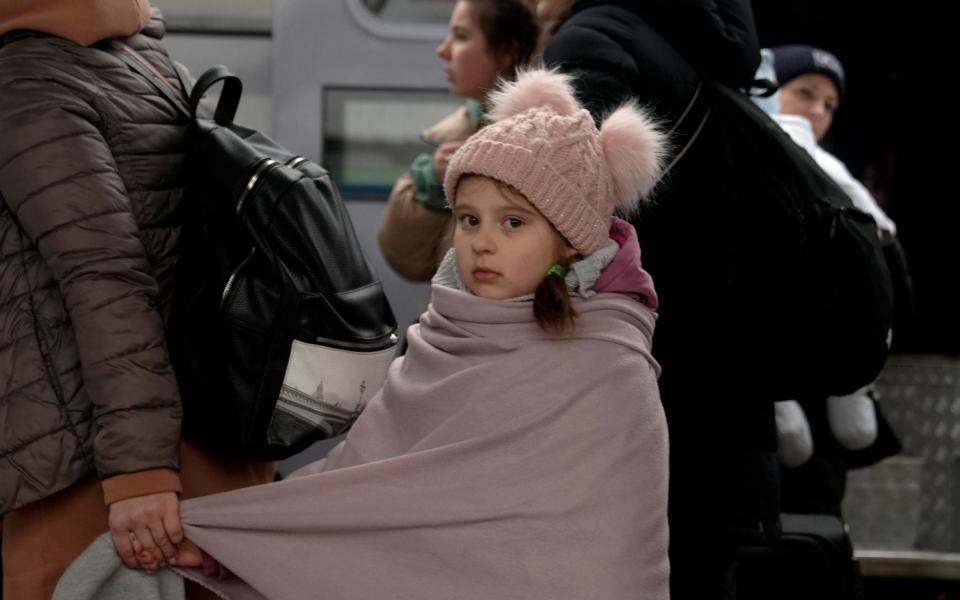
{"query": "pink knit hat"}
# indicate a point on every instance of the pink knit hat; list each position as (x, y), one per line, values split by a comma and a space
(544, 145)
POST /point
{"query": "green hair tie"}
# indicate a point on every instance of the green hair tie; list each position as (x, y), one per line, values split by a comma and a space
(557, 270)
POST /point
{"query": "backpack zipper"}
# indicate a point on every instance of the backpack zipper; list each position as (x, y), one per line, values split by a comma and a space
(233, 277)
(253, 181)
(257, 176)
(294, 161)
(373, 345)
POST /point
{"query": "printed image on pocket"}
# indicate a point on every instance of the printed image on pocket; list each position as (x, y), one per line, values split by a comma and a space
(326, 388)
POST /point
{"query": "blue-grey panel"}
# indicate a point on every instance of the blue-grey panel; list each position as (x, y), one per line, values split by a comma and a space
(339, 43)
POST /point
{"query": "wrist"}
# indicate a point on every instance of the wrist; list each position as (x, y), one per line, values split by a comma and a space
(141, 483)
(428, 190)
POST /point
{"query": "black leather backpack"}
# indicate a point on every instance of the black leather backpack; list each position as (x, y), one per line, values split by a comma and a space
(799, 271)
(280, 331)
(816, 296)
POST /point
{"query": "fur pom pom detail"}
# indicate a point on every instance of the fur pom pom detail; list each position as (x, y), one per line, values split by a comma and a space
(635, 149)
(533, 89)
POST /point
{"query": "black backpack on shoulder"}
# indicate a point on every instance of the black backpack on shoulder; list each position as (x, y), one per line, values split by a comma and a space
(280, 330)
(805, 269)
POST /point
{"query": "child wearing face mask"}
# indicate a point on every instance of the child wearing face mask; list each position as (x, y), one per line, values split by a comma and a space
(519, 448)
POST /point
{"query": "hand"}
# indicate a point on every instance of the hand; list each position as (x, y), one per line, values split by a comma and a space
(441, 158)
(188, 554)
(146, 530)
(853, 420)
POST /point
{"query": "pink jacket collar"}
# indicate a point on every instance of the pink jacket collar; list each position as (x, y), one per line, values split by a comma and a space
(625, 275)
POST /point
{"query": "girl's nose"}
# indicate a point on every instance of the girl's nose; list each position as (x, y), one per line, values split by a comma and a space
(483, 242)
(443, 48)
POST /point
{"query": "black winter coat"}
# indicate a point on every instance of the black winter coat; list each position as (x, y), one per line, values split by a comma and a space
(723, 441)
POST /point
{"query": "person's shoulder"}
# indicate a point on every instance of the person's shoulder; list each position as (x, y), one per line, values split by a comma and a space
(580, 37)
(614, 50)
(48, 90)
(48, 66)
(615, 320)
(454, 127)
(623, 364)
(615, 323)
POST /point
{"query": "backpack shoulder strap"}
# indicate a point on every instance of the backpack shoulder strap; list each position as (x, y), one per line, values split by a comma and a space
(762, 88)
(696, 133)
(229, 96)
(146, 70)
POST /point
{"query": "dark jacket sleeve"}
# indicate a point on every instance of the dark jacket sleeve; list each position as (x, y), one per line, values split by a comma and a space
(59, 179)
(603, 74)
(618, 56)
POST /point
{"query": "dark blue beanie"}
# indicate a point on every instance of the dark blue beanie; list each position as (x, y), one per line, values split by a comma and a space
(796, 60)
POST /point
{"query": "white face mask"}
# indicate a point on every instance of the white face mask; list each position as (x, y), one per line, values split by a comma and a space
(766, 70)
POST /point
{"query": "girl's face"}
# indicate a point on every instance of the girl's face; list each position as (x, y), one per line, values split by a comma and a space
(503, 244)
(813, 96)
(471, 66)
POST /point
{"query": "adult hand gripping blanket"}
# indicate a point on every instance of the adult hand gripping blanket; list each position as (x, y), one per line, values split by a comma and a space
(491, 465)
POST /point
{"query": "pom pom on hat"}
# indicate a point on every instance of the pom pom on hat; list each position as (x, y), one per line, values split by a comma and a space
(533, 89)
(635, 150)
(544, 145)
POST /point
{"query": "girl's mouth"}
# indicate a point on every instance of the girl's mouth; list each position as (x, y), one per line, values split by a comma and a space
(485, 275)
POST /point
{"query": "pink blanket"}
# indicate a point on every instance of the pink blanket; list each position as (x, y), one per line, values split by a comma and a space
(495, 463)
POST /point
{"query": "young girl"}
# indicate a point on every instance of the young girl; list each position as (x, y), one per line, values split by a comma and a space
(488, 39)
(518, 449)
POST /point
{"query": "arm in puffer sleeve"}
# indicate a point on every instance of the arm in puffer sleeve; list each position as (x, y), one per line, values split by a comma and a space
(413, 237)
(59, 178)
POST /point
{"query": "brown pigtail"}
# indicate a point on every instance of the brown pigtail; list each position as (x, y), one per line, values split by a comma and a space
(551, 302)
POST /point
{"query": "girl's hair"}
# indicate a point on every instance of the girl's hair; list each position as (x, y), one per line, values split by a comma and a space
(551, 302)
(509, 26)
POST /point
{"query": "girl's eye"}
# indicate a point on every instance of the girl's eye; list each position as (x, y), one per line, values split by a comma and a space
(469, 221)
(512, 223)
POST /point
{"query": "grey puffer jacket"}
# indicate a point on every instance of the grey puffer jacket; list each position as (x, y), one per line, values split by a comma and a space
(91, 176)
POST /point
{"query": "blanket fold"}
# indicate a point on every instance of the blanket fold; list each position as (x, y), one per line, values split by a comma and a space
(496, 462)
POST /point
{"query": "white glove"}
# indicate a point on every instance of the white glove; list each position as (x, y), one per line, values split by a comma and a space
(853, 419)
(795, 444)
